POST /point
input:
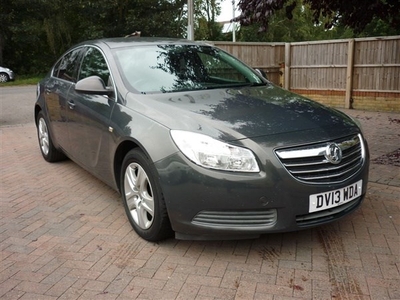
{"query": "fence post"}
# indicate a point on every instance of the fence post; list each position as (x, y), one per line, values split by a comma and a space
(286, 77)
(281, 74)
(349, 75)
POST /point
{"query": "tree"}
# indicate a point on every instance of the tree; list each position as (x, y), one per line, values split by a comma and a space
(206, 13)
(158, 18)
(35, 33)
(355, 14)
(297, 29)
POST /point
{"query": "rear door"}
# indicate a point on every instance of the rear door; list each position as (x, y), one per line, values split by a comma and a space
(89, 117)
(64, 76)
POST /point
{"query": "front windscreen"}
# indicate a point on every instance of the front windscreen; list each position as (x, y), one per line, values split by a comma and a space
(173, 68)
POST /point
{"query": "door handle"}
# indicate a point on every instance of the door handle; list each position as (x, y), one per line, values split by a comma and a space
(71, 104)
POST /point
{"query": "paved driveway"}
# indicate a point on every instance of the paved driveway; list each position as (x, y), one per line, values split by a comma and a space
(64, 235)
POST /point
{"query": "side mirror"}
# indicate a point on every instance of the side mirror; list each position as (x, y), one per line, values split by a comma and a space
(262, 73)
(92, 85)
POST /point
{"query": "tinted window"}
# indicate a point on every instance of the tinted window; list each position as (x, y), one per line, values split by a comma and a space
(94, 63)
(67, 69)
(56, 68)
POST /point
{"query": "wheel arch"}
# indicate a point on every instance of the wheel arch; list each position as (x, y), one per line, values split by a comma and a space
(120, 153)
(37, 110)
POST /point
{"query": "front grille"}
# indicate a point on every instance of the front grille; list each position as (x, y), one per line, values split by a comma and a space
(253, 219)
(309, 163)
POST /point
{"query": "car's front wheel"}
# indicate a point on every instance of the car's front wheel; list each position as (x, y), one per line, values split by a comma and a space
(4, 77)
(143, 199)
(49, 152)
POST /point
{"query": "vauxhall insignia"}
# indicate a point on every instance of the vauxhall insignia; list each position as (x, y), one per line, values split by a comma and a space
(333, 153)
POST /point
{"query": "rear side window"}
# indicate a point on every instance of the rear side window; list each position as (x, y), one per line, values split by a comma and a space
(67, 67)
(56, 68)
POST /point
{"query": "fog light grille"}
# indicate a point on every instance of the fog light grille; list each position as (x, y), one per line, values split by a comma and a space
(253, 219)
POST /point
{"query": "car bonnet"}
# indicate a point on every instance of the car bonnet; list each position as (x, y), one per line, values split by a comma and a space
(238, 113)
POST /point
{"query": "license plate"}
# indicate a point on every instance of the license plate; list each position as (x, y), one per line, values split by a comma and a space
(335, 198)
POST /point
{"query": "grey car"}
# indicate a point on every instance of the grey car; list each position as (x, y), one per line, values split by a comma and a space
(199, 144)
(6, 74)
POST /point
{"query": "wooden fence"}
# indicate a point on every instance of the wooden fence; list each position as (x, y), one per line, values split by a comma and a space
(353, 73)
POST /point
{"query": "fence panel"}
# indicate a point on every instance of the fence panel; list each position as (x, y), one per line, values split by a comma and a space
(354, 73)
(318, 66)
(264, 56)
(377, 65)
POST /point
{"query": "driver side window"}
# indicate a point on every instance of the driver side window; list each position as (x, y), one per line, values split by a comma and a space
(94, 64)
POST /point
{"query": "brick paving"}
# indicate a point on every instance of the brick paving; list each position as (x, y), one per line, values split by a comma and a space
(64, 235)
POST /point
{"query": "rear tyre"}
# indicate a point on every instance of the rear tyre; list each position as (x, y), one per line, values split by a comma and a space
(49, 152)
(143, 200)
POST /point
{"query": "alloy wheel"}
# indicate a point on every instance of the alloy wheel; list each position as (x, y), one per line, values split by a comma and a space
(43, 136)
(139, 195)
(3, 78)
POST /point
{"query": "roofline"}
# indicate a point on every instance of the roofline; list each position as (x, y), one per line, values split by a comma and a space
(118, 42)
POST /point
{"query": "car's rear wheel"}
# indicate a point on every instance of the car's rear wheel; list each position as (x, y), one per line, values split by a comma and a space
(143, 198)
(4, 77)
(49, 152)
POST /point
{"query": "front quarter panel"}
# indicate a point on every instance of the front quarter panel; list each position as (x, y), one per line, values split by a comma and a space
(130, 126)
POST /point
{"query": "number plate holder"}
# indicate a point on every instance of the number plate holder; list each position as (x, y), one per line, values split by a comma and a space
(330, 199)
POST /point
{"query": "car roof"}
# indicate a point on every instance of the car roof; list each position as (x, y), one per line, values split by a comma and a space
(140, 41)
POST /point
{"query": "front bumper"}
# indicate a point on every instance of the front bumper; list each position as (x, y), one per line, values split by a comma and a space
(209, 204)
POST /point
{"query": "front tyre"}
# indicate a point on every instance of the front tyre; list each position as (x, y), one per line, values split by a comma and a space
(143, 200)
(49, 152)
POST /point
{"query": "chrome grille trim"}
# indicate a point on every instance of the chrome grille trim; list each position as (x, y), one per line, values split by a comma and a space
(308, 163)
(254, 219)
(335, 167)
(316, 150)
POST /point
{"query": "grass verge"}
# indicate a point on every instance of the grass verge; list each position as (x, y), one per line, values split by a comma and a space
(23, 80)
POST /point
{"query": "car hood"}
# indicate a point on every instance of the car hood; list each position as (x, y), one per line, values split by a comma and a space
(239, 113)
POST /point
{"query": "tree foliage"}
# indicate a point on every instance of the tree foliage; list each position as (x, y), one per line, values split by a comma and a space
(297, 29)
(206, 13)
(355, 14)
(34, 33)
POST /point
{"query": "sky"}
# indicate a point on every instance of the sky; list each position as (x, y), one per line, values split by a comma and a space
(226, 10)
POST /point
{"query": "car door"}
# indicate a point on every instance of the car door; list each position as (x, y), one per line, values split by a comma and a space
(56, 90)
(89, 116)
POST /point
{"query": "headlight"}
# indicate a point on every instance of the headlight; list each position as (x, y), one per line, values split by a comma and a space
(210, 153)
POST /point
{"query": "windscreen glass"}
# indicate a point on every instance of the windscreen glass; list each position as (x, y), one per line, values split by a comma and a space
(173, 68)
